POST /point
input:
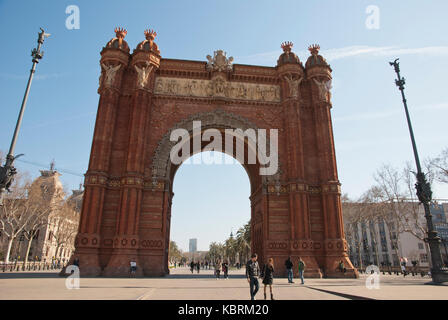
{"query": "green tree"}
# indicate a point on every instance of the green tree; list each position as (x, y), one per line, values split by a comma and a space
(174, 253)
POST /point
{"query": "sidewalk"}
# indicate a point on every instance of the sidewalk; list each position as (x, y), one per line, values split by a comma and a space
(182, 285)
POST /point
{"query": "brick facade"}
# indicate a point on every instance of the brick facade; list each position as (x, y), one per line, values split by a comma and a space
(126, 208)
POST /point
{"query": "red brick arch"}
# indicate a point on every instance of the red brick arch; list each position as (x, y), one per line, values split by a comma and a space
(128, 186)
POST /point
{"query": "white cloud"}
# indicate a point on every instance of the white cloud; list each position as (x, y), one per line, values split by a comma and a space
(270, 58)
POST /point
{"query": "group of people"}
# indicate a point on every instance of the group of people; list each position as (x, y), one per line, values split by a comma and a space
(198, 265)
(253, 272)
(289, 269)
(222, 266)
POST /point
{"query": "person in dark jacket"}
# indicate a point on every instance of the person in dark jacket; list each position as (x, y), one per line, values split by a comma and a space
(268, 277)
(289, 265)
(252, 274)
(225, 270)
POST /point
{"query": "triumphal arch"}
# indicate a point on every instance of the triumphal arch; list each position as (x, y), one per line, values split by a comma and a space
(144, 98)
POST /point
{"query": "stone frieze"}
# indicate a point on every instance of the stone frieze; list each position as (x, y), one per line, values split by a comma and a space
(217, 87)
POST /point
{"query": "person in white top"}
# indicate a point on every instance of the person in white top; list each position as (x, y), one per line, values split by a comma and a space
(133, 267)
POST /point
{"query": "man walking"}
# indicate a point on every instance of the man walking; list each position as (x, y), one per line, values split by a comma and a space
(301, 269)
(289, 265)
(252, 273)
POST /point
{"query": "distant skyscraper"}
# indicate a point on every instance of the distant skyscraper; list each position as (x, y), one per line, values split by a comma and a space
(193, 245)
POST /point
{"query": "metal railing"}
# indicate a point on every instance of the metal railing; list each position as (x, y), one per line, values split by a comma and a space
(30, 266)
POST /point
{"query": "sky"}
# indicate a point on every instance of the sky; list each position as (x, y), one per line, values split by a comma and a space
(211, 200)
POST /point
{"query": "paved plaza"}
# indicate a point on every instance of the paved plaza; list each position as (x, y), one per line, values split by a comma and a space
(182, 285)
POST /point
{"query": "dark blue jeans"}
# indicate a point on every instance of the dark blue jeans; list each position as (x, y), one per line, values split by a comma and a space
(301, 276)
(254, 286)
(290, 275)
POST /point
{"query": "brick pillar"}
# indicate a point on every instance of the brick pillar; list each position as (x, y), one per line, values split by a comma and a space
(145, 61)
(88, 240)
(335, 245)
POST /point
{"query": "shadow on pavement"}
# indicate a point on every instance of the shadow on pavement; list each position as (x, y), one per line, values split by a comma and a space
(203, 276)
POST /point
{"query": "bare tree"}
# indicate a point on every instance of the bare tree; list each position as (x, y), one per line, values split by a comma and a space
(414, 221)
(353, 215)
(17, 211)
(63, 224)
(36, 223)
(440, 166)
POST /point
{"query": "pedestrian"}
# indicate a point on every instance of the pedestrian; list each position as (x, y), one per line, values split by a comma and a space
(198, 266)
(217, 269)
(341, 266)
(289, 265)
(301, 269)
(268, 277)
(252, 274)
(403, 266)
(225, 270)
(206, 265)
(192, 266)
(133, 269)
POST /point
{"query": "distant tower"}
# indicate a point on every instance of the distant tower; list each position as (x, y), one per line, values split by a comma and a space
(193, 245)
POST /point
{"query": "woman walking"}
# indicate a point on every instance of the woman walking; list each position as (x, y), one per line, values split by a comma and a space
(268, 277)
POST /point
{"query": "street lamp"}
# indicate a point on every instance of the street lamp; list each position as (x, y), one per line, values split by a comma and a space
(438, 272)
(8, 171)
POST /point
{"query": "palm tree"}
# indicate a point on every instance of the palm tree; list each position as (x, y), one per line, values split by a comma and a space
(243, 242)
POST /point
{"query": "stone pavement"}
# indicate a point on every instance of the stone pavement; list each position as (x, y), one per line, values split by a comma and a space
(182, 285)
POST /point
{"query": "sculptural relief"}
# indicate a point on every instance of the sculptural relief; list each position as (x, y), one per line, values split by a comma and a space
(110, 74)
(143, 75)
(217, 87)
(219, 61)
(293, 85)
(324, 88)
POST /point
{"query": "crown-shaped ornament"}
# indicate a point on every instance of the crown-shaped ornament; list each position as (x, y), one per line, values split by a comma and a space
(287, 46)
(120, 32)
(314, 49)
(150, 34)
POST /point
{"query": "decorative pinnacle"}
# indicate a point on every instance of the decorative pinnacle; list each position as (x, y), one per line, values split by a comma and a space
(150, 34)
(120, 32)
(314, 49)
(287, 46)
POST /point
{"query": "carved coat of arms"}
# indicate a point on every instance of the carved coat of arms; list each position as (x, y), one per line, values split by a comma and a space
(219, 62)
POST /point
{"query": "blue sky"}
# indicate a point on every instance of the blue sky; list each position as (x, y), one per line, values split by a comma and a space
(368, 118)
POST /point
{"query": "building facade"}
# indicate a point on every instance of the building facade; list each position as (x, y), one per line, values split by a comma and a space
(54, 240)
(376, 242)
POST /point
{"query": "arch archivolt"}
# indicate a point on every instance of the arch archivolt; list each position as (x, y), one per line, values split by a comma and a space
(162, 166)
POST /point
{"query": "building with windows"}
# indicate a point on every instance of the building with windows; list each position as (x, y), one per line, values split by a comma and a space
(56, 233)
(373, 241)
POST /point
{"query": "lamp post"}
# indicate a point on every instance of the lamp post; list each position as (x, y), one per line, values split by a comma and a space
(438, 272)
(8, 171)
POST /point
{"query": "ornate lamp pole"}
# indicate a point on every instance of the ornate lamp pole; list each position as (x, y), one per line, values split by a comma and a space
(8, 171)
(424, 194)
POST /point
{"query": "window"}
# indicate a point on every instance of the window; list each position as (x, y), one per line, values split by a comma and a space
(423, 257)
(420, 246)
